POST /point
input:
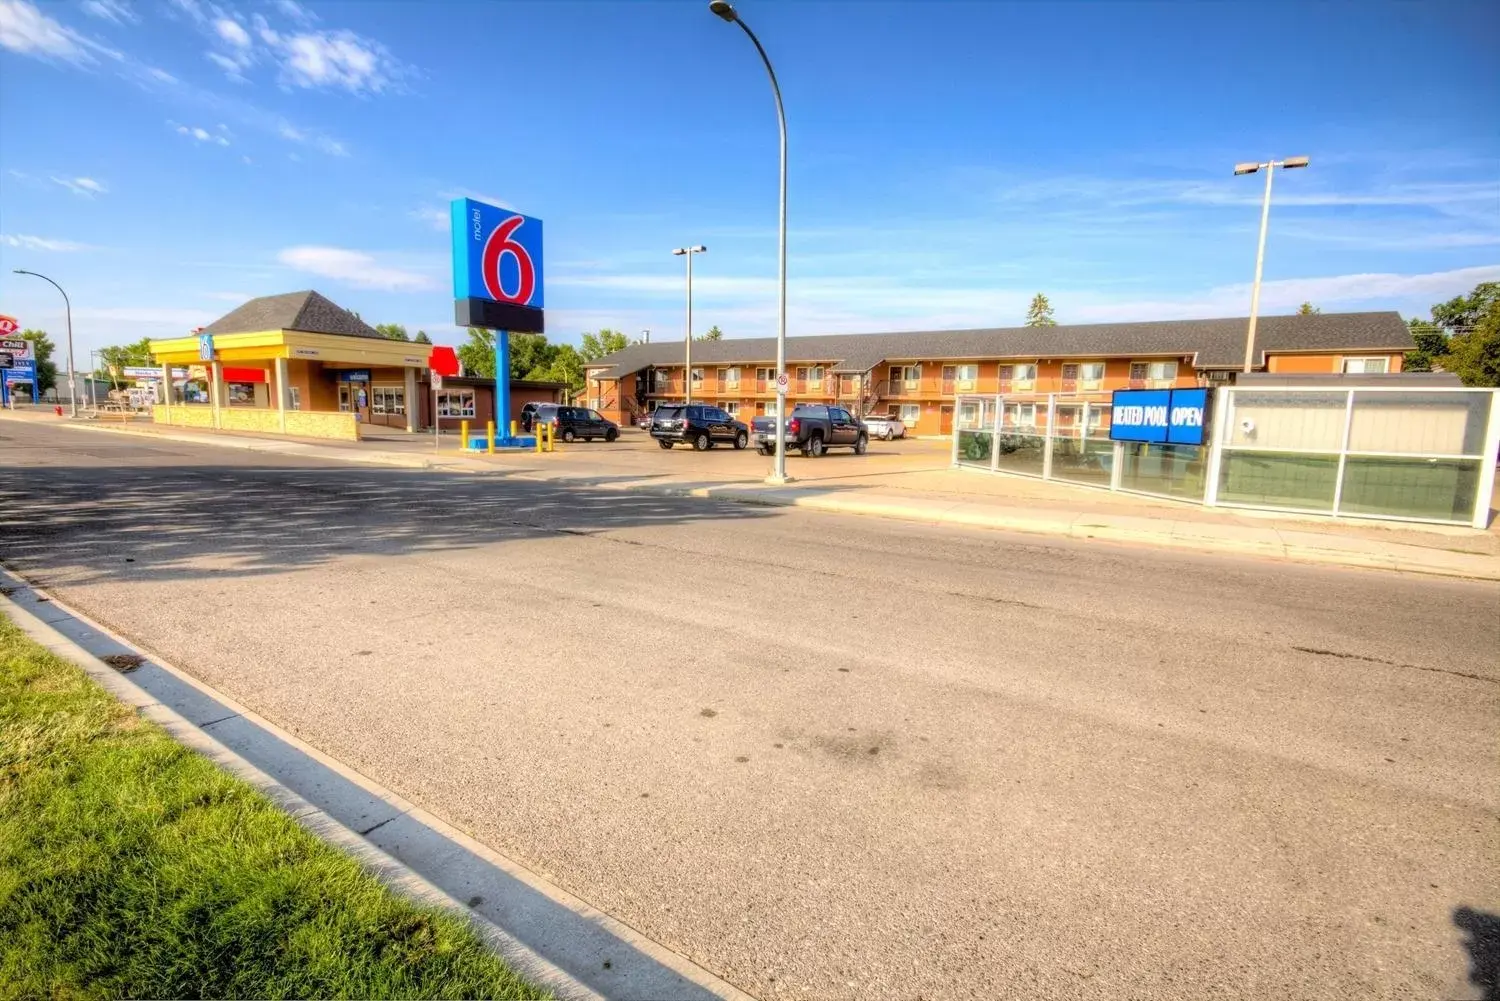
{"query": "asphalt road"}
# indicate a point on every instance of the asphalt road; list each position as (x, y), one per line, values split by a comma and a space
(834, 757)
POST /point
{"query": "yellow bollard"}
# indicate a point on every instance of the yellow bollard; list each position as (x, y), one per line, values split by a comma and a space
(537, 428)
(489, 433)
(463, 436)
(515, 429)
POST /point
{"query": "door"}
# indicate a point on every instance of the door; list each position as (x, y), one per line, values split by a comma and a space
(950, 372)
(844, 430)
(945, 419)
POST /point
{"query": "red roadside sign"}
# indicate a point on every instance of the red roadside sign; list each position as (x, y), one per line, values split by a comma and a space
(9, 325)
(443, 361)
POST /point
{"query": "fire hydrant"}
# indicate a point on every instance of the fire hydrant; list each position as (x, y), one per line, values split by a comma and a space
(57, 410)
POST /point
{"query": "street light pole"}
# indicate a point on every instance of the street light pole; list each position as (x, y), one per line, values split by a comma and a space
(1260, 253)
(726, 10)
(687, 366)
(68, 307)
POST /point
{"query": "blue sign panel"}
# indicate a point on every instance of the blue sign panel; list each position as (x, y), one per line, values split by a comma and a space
(1174, 416)
(1188, 417)
(354, 375)
(205, 347)
(497, 254)
(1139, 414)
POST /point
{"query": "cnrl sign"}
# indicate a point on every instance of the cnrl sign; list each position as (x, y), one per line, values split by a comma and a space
(1169, 416)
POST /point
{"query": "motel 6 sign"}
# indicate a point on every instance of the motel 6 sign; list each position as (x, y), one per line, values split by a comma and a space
(497, 267)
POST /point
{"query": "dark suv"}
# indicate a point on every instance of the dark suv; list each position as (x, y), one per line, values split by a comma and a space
(570, 423)
(698, 425)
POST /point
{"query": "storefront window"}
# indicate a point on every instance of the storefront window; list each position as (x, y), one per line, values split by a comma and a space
(456, 403)
(389, 400)
(241, 394)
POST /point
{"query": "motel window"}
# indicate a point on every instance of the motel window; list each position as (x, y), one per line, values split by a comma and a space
(968, 373)
(732, 409)
(1024, 372)
(456, 403)
(731, 377)
(910, 414)
(296, 394)
(697, 376)
(1091, 372)
(388, 400)
(909, 374)
(1162, 371)
(1366, 366)
(1020, 415)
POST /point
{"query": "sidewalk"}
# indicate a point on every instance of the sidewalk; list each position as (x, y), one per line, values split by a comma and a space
(912, 481)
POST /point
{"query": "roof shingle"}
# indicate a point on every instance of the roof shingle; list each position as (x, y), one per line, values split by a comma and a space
(307, 311)
(1212, 343)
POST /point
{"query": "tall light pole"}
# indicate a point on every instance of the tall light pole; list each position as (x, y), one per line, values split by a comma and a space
(724, 9)
(68, 306)
(646, 336)
(1269, 167)
(687, 365)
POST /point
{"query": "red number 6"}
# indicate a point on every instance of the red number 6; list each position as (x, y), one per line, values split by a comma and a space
(498, 245)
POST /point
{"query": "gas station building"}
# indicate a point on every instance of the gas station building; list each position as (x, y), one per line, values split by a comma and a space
(294, 364)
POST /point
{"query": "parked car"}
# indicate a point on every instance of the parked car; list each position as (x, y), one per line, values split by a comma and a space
(529, 412)
(573, 423)
(885, 426)
(643, 420)
(698, 425)
(814, 428)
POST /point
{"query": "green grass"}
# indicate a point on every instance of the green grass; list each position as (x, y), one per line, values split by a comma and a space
(133, 867)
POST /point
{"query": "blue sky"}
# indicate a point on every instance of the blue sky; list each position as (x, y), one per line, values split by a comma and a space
(166, 159)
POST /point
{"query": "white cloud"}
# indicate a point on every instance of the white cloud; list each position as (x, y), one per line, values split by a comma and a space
(192, 9)
(235, 297)
(354, 267)
(232, 32)
(246, 160)
(337, 59)
(25, 29)
(437, 218)
(202, 135)
(233, 68)
(117, 11)
(326, 144)
(159, 75)
(26, 242)
(85, 186)
(296, 11)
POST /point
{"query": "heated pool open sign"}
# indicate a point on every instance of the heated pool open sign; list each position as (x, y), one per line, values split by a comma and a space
(1170, 416)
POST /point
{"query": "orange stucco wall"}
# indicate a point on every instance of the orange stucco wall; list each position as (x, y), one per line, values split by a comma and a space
(1290, 364)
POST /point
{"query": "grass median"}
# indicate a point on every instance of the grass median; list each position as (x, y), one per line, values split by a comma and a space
(133, 867)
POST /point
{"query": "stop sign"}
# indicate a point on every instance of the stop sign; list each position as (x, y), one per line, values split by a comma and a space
(443, 360)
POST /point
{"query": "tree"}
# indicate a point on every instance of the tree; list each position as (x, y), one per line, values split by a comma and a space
(714, 334)
(117, 357)
(565, 367)
(41, 349)
(394, 331)
(478, 354)
(422, 337)
(1463, 337)
(1432, 344)
(1308, 309)
(1040, 313)
(605, 342)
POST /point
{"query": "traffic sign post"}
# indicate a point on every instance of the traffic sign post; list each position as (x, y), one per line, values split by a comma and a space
(782, 382)
(443, 362)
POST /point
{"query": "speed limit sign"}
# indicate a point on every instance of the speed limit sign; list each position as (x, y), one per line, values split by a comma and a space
(781, 384)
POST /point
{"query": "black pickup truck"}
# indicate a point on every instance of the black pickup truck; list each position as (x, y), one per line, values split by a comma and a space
(814, 429)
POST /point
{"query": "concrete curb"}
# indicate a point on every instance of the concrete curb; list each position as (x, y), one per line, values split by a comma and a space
(1309, 547)
(659, 973)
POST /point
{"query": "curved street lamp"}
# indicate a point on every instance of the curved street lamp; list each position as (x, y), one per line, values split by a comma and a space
(725, 10)
(68, 307)
(1290, 163)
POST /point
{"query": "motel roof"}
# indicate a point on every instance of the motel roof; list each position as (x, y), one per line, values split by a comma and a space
(307, 311)
(1211, 343)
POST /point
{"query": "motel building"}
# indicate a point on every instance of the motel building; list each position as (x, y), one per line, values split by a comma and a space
(298, 364)
(919, 376)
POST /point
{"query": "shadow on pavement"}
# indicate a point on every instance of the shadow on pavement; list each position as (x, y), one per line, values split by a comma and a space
(1483, 945)
(105, 521)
